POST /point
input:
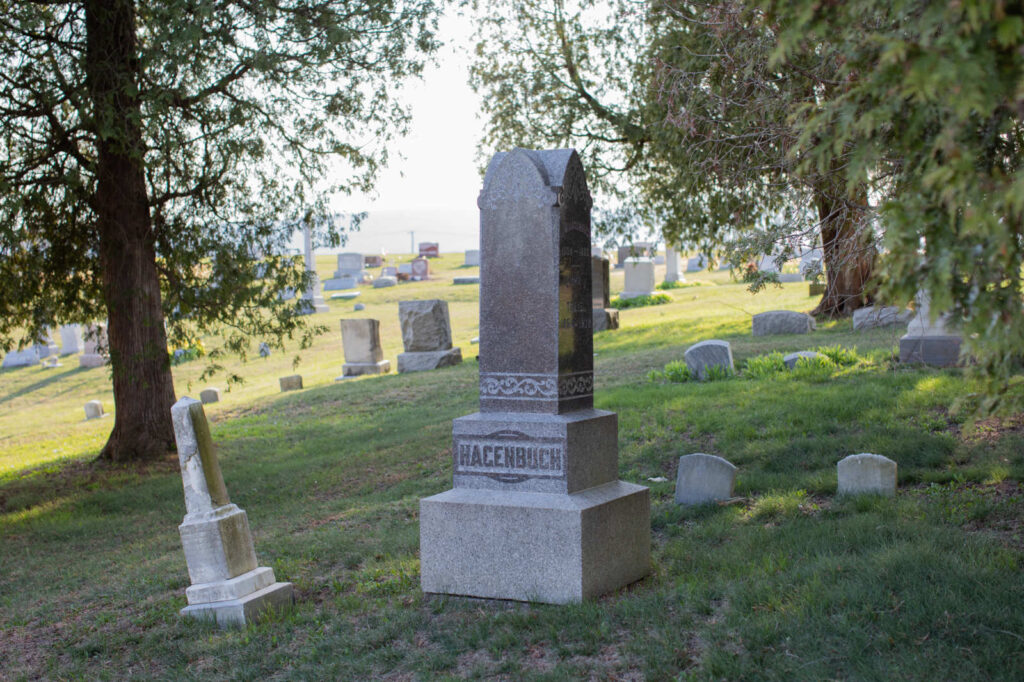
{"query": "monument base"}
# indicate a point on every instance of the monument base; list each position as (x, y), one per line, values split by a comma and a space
(427, 360)
(938, 351)
(634, 294)
(244, 610)
(541, 547)
(605, 319)
(316, 305)
(355, 369)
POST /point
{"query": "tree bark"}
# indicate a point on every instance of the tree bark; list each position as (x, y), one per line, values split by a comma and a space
(143, 386)
(848, 254)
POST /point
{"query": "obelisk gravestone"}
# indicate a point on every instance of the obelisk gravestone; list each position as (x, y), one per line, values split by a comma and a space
(537, 512)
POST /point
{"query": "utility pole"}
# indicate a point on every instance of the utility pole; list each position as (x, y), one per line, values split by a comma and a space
(412, 242)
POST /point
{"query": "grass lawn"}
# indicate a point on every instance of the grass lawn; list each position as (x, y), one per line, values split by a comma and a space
(789, 582)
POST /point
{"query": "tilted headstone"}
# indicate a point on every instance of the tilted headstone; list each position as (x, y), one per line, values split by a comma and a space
(426, 336)
(928, 342)
(420, 268)
(873, 317)
(290, 383)
(672, 266)
(363, 351)
(472, 257)
(866, 474)
(94, 409)
(782, 322)
(701, 357)
(605, 317)
(704, 478)
(639, 277)
(209, 395)
(22, 358)
(793, 358)
(228, 585)
(312, 300)
(71, 339)
(537, 511)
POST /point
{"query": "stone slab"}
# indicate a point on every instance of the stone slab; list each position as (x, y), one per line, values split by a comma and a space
(355, 369)
(248, 609)
(339, 283)
(22, 358)
(291, 383)
(466, 280)
(782, 322)
(605, 319)
(425, 326)
(873, 317)
(235, 588)
(793, 358)
(346, 296)
(535, 452)
(711, 353)
(937, 351)
(209, 395)
(538, 547)
(866, 474)
(428, 360)
(384, 282)
(703, 478)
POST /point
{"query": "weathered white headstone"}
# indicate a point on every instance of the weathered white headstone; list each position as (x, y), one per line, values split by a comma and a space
(704, 478)
(639, 277)
(782, 322)
(71, 339)
(672, 266)
(929, 342)
(228, 585)
(363, 351)
(472, 257)
(313, 300)
(209, 395)
(291, 383)
(701, 357)
(22, 358)
(94, 346)
(426, 336)
(94, 409)
(866, 474)
(537, 511)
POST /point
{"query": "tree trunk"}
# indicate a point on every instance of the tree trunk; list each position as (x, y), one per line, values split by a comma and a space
(143, 386)
(848, 254)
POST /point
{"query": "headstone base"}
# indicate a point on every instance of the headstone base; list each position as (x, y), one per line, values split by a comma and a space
(540, 547)
(317, 305)
(938, 351)
(355, 369)
(634, 294)
(334, 284)
(427, 360)
(245, 610)
(605, 319)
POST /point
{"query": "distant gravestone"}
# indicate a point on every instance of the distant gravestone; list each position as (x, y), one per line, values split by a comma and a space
(358, 306)
(866, 474)
(697, 263)
(537, 511)
(312, 300)
(22, 358)
(363, 351)
(94, 409)
(605, 317)
(420, 269)
(228, 585)
(701, 357)
(426, 336)
(291, 383)
(704, 478)
(672, 266)
(384, 282)
(472, 257)
(94, 346)
(466, 280)
(404, 272)
(389, 271)
(264, 350)
(794, 358)
(71, 341)
(429, 250)
(928, 342)
(782, 322)
(373, 261)
(341, 283)
(639, 277)
(635, 250)
(873, 317)
(349, 272)
(209, 395)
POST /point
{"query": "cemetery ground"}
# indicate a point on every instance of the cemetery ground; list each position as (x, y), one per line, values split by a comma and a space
(786, 581)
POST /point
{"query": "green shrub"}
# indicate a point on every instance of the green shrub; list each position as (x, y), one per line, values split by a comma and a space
(764, 366)
(641, 301)
(679, 285)
(676, 372)
(843, 357)
(820, 368)
(718, 373)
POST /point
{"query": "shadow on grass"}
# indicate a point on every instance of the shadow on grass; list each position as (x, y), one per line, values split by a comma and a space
(52, 376)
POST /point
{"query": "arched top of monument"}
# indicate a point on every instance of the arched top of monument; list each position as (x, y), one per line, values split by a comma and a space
(519, 173)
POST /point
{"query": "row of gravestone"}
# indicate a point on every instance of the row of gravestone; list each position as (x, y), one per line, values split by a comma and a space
(89, 341)
(703, 478)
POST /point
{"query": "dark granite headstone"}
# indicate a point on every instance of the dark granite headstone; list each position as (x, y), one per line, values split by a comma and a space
(537, 511)
(600, 286)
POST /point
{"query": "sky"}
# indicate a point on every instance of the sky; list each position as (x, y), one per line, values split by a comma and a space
(432, 191)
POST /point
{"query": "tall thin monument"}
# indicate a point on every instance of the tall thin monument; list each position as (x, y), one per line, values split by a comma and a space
(537, 512)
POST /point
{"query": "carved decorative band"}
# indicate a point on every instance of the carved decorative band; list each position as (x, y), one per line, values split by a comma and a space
(502, 386)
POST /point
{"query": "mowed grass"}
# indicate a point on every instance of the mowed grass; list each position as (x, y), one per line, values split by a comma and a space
(786, 582)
